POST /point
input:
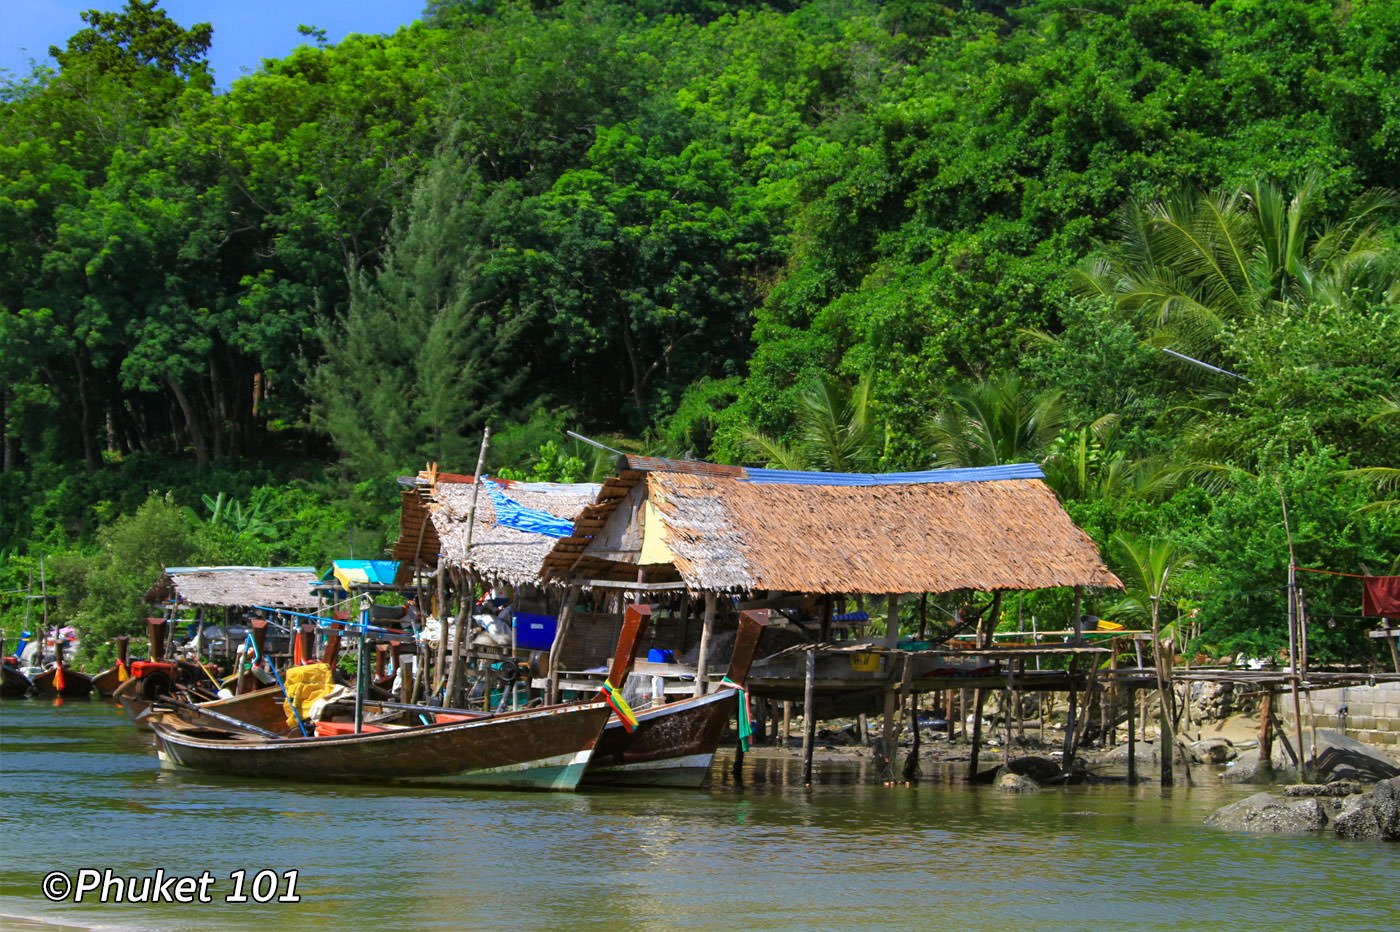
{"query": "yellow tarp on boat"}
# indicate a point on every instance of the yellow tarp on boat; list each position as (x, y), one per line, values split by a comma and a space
(305, 684)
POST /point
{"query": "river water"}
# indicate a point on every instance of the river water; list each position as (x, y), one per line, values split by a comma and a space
(82, 790)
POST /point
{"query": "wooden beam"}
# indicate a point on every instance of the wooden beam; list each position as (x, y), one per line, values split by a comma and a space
(702, 662)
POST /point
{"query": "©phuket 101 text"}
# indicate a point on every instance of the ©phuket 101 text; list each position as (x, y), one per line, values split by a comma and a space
(90, 885)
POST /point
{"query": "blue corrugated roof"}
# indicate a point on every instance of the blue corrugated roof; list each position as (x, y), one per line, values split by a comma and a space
(972, 474)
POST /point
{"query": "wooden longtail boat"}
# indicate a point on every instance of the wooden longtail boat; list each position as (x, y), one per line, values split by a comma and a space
(108, 680)
(544, 748)
(263, 709)
(13, 683)
(59, 680)
(674, 744)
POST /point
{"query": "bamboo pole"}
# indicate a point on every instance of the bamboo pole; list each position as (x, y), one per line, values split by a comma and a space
(465, 619)
(702, 662)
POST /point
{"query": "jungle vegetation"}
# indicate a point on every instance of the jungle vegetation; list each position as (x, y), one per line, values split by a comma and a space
(1149, 244)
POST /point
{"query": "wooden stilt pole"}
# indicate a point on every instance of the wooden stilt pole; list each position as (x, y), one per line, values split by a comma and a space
(1266, 728)
(1132, 740)
(707, 631)
(809, 719)
(979, 696)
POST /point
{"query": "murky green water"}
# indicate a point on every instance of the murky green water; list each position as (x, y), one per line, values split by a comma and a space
(82, 789)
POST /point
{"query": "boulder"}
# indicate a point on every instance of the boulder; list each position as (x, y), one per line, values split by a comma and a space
(1016, 783)
(1212, 751)
(1039, 769)
(1269, 814)
(1146, 754)
(1248, 768)
(1372, 815)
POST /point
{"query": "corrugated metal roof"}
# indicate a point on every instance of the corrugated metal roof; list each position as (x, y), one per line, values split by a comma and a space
(972, 474)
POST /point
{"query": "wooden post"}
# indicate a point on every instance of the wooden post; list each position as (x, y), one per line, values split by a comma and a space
(887, 739)
(787, 722)
(1266, 728)
(1006, 711)
(979, 696)
(465, 597)
(809, 722)
(702, 662)
(440, 658)
(1132, 740)
(566, 616)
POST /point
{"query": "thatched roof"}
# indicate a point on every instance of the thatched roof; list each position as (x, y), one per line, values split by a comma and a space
(735, 530)
(433, 526)
(237, 586)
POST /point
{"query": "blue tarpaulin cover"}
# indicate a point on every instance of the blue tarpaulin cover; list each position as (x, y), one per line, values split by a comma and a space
(511, 514)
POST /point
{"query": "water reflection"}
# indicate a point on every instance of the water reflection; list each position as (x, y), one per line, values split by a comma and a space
(83, 789)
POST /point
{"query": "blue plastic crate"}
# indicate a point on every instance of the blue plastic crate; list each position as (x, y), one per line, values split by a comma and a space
(535, 632)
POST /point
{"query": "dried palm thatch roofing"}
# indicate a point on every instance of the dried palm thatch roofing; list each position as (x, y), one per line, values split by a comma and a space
(237, 586)
(733, 530)
(433, 526)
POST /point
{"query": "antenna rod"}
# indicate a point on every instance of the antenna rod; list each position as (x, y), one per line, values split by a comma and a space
(1206, 365)
(594, 443)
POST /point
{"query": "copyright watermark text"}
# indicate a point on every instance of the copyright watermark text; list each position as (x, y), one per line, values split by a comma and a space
(90, 885)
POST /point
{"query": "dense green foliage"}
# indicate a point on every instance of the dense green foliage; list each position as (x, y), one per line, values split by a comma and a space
(867, 235)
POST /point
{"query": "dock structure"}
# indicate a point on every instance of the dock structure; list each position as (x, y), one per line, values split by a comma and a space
(715, 539)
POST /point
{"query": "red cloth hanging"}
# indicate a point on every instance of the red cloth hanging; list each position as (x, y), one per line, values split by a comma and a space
(1380, 596)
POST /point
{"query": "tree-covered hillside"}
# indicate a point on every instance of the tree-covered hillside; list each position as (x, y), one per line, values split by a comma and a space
(1151, 245)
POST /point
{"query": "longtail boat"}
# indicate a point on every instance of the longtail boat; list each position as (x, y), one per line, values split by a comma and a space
(544, 748)
(13, 683)
(674, 744)
(108, 680)
(59, 680)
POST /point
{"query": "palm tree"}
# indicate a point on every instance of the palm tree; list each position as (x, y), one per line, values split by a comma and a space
(1384, 480)
(1146, 568)
(1188, 266)
(994, 421)
(836, 430)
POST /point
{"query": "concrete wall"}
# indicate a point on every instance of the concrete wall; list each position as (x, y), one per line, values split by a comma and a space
(1366, 713)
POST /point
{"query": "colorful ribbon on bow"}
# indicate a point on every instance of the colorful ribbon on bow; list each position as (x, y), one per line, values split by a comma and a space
(122, 674)
(613, 696)
(745, 722)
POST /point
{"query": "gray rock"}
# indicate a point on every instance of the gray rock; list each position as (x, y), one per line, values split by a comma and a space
(1039, 769)
(1248, 768)
(1016, 783)
(1146, 754)
(1268, 814)
(1336, 788)
(1373, 815)
(1212, 751)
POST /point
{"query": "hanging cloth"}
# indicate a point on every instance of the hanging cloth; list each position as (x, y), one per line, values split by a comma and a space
(1380, 597)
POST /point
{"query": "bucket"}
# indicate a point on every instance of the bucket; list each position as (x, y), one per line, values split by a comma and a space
(865, 662)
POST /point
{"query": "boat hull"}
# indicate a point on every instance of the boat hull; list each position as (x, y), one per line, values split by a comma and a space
(75, 685)
(15, 685)
(542, 749)
(673, 745)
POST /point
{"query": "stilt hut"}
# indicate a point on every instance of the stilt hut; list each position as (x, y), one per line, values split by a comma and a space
(724, 533)
(461, 540)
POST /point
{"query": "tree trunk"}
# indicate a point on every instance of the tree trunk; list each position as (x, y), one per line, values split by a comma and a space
(192, 426)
